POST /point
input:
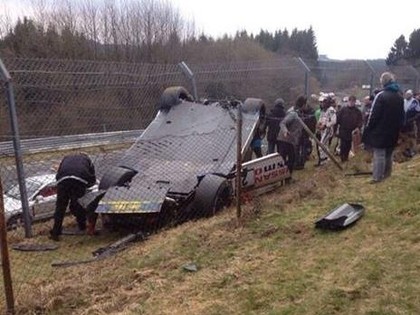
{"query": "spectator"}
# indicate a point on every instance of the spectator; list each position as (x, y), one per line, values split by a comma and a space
(383, 126)
(290, 131)
(304, 149)
(349, 121)
(368, 100)
(326, 126)
(417, 97)
(75, 174)
(273, 124)
(409, 129)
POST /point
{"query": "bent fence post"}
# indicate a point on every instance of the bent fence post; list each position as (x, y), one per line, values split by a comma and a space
(322, 146)
(5, 76)
(190, 75)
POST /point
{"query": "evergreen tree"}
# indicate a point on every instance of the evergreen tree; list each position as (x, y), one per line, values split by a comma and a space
(398, 51)
(414, 45)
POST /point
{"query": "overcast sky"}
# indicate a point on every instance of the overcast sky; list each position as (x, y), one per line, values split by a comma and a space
(356, 29)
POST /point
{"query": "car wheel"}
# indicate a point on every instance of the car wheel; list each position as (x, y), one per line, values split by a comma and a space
(15, 222)
(173, 96)
(116, 176)
(212, 195)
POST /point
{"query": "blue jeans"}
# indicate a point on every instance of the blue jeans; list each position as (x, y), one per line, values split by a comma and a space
(382, 163)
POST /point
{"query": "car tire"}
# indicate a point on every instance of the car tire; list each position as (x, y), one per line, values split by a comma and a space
(212, 195)
(15, 222)
(116, 176)
(173, 96)
(253, 105)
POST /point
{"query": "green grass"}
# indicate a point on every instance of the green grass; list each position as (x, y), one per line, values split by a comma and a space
(272, 262)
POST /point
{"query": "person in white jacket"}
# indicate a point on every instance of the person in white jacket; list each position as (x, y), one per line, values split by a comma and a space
(326, 125)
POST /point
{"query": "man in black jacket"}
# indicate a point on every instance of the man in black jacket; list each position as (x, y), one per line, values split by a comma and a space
(384, 125)
(273, 124)
(349, 121)
(75, 174)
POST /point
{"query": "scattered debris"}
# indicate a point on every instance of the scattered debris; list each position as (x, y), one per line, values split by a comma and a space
(341, 217)
(34, 247)
(105, 252)
(358, 174)
(191, 267)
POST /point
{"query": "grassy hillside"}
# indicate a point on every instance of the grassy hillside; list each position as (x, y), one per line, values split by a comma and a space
(272, 262)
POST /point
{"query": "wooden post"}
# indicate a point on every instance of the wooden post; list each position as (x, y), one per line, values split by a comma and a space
(239, 162)
(7, 278)
(321, 145)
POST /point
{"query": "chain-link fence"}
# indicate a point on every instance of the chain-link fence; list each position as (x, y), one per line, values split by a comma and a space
(180, 169)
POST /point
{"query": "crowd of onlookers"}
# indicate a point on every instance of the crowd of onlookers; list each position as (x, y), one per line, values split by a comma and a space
(382, 120)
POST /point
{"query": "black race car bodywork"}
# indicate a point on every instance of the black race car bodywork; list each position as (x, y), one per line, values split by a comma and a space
(182, 164)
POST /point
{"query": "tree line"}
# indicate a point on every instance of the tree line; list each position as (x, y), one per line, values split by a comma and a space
(403, 52)
(151, 31)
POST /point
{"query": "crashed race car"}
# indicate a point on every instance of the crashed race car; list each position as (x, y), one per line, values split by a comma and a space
(184, 164)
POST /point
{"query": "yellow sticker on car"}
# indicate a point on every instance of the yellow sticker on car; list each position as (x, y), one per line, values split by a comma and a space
(129, 207)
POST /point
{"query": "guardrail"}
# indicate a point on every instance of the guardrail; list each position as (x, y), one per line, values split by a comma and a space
(39, 145)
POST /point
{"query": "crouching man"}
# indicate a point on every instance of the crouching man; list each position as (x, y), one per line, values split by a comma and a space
(75, 175)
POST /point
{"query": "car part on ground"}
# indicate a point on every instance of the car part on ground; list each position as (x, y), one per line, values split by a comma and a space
(341, 217)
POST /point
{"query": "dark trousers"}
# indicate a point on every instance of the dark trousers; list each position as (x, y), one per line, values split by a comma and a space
(345, 147)
(69, 190)
(304, 150)
(287, 151)
(257, 151)
(272, 146)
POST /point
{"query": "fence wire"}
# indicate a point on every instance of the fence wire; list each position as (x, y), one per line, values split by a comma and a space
(58, 98)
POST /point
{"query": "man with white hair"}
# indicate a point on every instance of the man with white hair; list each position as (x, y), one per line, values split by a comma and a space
(383, 126)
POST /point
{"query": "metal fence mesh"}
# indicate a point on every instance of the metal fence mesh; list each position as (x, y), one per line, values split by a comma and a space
(59, 98)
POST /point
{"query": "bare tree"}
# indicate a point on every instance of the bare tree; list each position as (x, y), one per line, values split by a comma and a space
(89, 18)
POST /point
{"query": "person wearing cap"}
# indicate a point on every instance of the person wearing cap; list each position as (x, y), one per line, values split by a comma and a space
(383, 126)
(75, 174)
